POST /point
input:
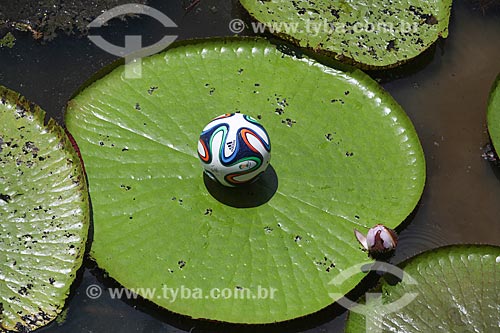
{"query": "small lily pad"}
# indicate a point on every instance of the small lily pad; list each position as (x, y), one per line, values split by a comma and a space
(44, 215)
(8, 40)
(345, 156)
(371, 34)
(456, 288)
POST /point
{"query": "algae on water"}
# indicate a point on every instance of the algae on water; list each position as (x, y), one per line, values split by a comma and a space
(46, 18)
(8, 40)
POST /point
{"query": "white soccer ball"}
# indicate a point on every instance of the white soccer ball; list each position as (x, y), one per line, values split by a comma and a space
(234, 149)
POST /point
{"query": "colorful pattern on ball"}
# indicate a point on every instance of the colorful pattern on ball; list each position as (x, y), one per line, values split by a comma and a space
(234, 149)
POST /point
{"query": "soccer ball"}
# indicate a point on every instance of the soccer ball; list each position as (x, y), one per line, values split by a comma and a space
(234, 149)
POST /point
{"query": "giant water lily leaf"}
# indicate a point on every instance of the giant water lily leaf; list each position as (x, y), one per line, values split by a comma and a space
(344, 152)
(372, 34)
(494, 114)
(44, 215)
(456, 289)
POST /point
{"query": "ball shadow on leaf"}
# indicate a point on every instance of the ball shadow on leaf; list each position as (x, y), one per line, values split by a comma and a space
(249, 195)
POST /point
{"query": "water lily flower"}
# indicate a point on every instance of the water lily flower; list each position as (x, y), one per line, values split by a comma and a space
(379, 240)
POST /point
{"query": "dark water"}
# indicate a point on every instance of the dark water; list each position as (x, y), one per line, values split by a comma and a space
(446, 100)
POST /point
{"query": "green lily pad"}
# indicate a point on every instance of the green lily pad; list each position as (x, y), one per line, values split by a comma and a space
(493, 116)
(44, 215)
(371, 34)
(456, 288)
(344, 152)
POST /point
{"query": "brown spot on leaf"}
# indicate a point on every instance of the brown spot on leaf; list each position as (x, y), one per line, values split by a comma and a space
(5, 197)
(431, 20)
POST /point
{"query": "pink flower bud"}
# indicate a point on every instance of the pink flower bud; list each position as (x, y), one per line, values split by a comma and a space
(379, 240)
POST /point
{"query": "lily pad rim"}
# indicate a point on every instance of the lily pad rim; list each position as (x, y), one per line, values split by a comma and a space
(40, 117)
(402, 264)
(405, 261)
(495, 89)
(347, 61)
(263, 43)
